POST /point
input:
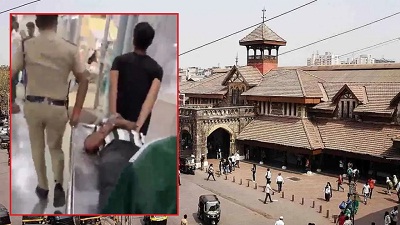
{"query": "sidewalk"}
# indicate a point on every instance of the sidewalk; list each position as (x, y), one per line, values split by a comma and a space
(311, 188)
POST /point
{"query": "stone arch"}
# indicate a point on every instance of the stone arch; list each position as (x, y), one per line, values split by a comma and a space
(186, 139)
(220, 136)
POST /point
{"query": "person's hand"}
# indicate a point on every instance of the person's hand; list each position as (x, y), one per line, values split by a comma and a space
(74, 119)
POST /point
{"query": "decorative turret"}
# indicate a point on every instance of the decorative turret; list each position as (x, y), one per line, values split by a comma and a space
(262, 47)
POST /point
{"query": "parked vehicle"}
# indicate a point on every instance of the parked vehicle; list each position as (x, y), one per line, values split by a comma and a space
(187, 165)
(209, 209)
(4, 216)
(155, 220)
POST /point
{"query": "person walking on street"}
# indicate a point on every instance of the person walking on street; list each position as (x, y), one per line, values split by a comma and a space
(327, 192)
(389, 185)
(202, 159)
(350, 173)
(330, 186)
(395, 181)
(237, 156)
(387, 219)
(280, 221)
(393, 215)
(279, 182)
(268, 191)
(46, 103)
(220, 166)
(253, 171)
(210, 172)
(348, 221)
(341, 218)
(365, 192)
(340, 182)
(219, 153)
(371, 183)
(268, 175)
(184, 220)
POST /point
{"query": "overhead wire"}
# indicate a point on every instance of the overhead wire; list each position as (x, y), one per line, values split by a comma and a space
(339, 34)
(244, 29)
(19, 6)
(372, 46)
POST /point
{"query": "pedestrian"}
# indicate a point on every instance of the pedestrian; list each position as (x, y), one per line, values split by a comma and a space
(233, 160)
(210, 172)
(389, 185)
(202, 159)
(387, 219)
(393, 215)
(395, 181)
(347, 221)
(184, 220)
(179, 174)
(352, 188)
(237, 156)
(268, 191)
(45, 109)
(279, 182)
(226, 166)
(327, 192)
(365, 192)
(135, 80)
(340, 182)
(398, 191)
(350, 174)
(341, 219)
(371, 183)
(298, 164)
(280, 221)
(230, 164)
(221, 165)
(219, 153)
(330, 186)
(341, 166)
(253, 171)
(268, 175)
(15, 45)
(356, 175)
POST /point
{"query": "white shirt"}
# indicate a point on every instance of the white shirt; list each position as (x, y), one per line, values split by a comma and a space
(268, 188)
(15, 41)
(237, 156)
(268, 174)
(347, 222)
(279, 179)
(327, 190)
(279, 222)
(366, 189)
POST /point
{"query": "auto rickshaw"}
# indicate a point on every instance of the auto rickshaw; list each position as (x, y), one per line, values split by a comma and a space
(209, 210)
(187, 165)
(62, 220)
(85, 220)
(4, 215)
(155, 220)
(33, 220)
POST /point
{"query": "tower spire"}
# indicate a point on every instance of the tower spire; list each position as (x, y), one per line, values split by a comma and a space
(263, 16)
(237, 59)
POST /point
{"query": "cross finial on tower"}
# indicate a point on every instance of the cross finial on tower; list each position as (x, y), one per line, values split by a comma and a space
(237, 59)
(263, 16)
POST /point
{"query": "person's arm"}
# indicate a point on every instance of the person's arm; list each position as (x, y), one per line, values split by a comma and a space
(81, 75)
(96, 139)
(113, 89)
(125, 124)
(17, 62)
(151, 97)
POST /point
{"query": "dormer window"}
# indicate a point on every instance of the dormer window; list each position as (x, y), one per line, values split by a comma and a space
(347, 104)
(348, 98)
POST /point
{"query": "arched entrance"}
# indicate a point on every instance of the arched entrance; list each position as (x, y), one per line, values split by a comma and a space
(219, 138)
(186, 140)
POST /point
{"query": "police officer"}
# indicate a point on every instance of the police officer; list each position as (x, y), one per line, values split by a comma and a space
(48, 60)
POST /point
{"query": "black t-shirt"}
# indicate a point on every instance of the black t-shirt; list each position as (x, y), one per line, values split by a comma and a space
(136, 74)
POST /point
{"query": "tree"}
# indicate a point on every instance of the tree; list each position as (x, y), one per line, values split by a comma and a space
(4, 88)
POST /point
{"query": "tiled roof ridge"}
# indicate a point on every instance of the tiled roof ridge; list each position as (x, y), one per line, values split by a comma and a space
(262, 27)
(301, 83)
(315, 130)
(272, 32)
(387, 125)
(204, 80)
(307, 134)
(312, 75)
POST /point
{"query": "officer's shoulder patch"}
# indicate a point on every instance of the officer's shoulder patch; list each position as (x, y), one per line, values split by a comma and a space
(69, 42)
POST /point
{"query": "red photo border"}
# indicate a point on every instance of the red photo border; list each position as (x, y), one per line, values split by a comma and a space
(177, 111)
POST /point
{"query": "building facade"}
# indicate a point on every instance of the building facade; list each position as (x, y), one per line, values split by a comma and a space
(323, 60)
(294, 115)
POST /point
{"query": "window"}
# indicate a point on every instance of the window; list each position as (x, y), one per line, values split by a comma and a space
(346, 108)
(235, 96)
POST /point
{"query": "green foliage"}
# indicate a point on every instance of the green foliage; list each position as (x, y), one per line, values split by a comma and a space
(4, 87)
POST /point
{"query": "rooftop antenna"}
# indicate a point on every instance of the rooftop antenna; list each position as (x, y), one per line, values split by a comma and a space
(237, 59)
(263, 22)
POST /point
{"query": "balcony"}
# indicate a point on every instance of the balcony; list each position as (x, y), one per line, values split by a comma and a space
(217, 113)
(260, 57)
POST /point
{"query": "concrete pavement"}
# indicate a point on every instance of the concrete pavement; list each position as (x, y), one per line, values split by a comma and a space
(311, 188)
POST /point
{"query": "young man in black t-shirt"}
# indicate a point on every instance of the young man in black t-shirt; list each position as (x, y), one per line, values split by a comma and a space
(135, 80)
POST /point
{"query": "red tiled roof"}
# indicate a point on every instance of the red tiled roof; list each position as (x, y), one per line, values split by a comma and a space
(285, 131)
(359, 137)
(262, 33)
(251, 75)
(287, 83)
(209, 85)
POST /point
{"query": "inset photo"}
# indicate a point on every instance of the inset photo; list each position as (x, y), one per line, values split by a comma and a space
(94, 114)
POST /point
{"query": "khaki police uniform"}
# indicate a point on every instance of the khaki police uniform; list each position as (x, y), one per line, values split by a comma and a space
(49, 59)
